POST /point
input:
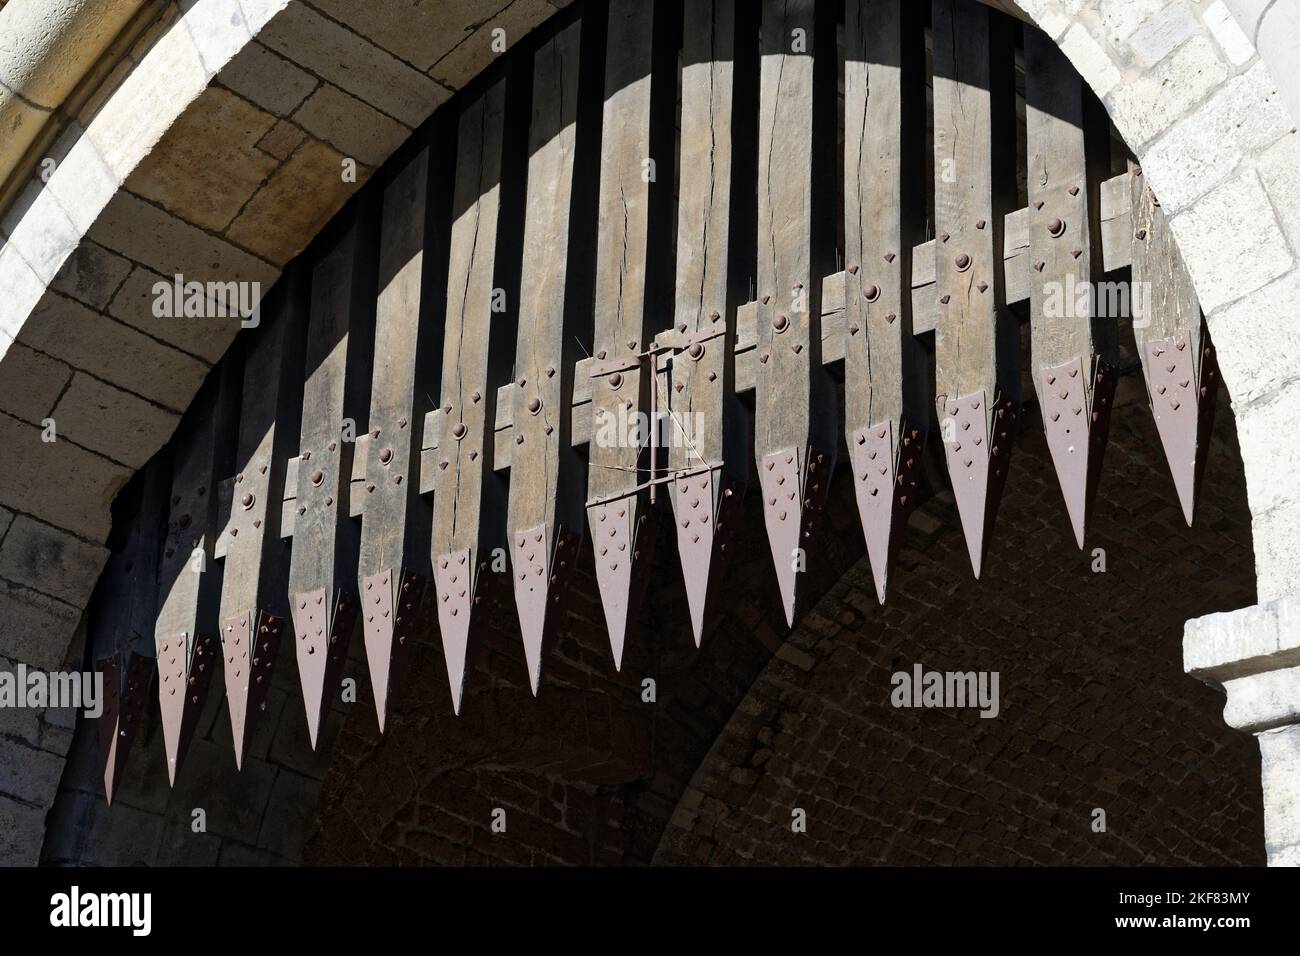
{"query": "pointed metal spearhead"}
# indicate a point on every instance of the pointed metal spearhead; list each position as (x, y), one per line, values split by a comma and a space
(184, 676)
(617, 538)
(455, 584)
(390, 614)
(706, 520)
(978, 456)
(322, 631)
(539, 577)
(886, 461)
(126, 691)
(250, 643)
(792, 496)
(1076, 431)
(1183, 405)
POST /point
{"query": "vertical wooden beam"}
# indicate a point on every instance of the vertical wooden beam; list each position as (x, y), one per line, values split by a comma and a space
(1173, 344)
(976, 344)
(709, 447)
(393, 567)
(544, 517)
(885, 416)
(631, 251)
(254, 607)
(1073, 360)
(794, 421)
(468, 496)
(189, 581)
(123, 613)
(326, 541)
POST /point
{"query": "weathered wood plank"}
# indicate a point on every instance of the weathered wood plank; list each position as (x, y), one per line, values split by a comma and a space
(544, 514)
(976, 343)
(254, 606)
(189, 581)
(393, 566)
(468, 495)
(1072, 343)
(708, 430)
(630, 280)
(326, 540)
(794, 418)
(885, 416)
(1173, 344)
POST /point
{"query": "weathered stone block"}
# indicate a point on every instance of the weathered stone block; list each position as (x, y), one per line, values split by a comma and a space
(207, 165)
(113, 422)
(296, 202)
(1150, 103)
(1163, 33)
(352, 62)
(475, 52)
(1257, 353)
(207, 337)
(268, 79)
(50, 561)
(30, 383)
(114, 352)
(355, 128)
(91, 275)
(57, 481)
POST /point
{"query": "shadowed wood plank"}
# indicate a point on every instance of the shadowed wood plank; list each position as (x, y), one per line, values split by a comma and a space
(326, 540)
(884, 410)
(254, 606)
(976, 343)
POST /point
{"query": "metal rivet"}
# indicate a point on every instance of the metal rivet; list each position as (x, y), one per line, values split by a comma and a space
(247, 501)
(534, 405)
(317, 477)
(963, 262)
(458, 431)
(781, 323)
(1056, 227)
(385, 456)
(871, 292)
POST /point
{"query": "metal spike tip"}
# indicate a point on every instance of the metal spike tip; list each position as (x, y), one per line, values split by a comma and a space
(455, 585)
(696, 520)
(532, 577)
(779, 476)
(614, 538)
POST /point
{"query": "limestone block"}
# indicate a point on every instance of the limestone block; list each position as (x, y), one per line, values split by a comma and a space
(267, 79)
(351, 126)
(1147, 105)
(282, 140)
(114, 352)
(1242, 117)
(207, 337)
(40, 231)
(1228, 33)
(1257, 353)
(30, 383)
(1231, 241)
(91, 275)
(51, 561)
(1279, 772)
(82, 182)
(1090, 60)
(1121, 18)
(35, 628)
(299, 198)
(153, 237)
(57, 482)
(475, 52)
(1278, 40)
(1162, 34)
(207, 165)
(353, 63)
(114, 423)
(1276, 538)
(135, 117)
(23, 289)
(218, 30)
(410, 29)
(1278, 168)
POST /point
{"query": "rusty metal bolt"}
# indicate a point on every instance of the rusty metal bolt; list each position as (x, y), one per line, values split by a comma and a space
(696, 351)
(963, 262)
(385, 455)
(317, 477)
(534, 405)
(1141, 234)
(1056, 227)
(458, 431)
(781, 323)
(247, 500)
(616, 380)
(871, 292)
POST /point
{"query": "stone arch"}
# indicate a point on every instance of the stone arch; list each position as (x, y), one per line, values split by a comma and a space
(275, 94)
